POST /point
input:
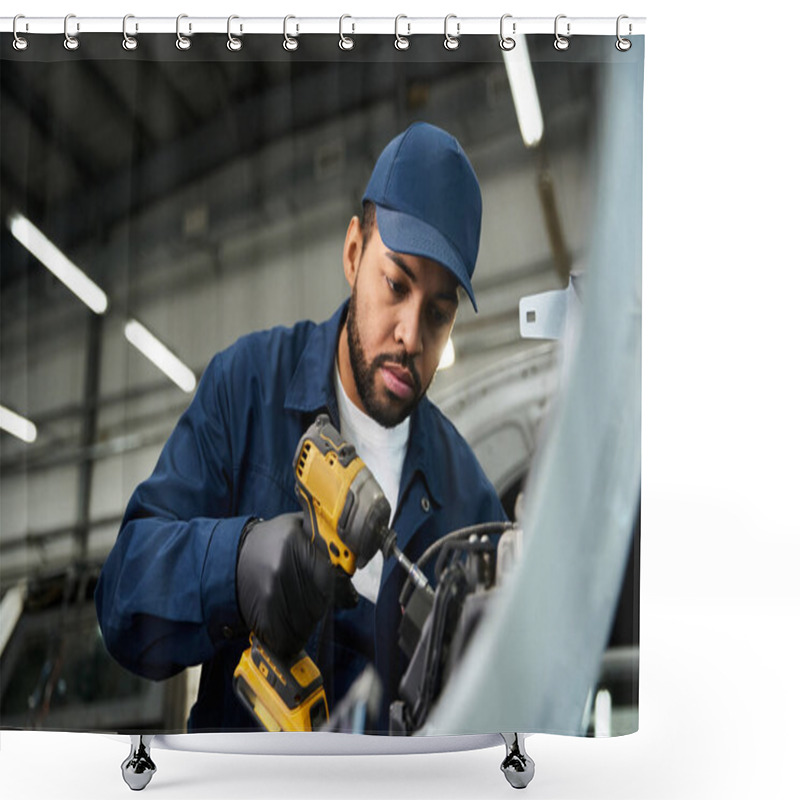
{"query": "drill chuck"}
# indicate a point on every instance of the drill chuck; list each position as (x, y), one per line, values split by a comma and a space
(389, 548)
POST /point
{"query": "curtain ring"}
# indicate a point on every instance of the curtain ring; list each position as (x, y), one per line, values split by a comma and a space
(561, 42)
(401, 42)
(20, 43)
(128, 42)
(451, 42)
(506, 42)
(234, 43)
(70, 42)
(621, 44)
(346, 42)
(289, 42)
(182, 42)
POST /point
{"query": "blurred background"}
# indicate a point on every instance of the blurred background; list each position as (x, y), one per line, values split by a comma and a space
(204, 195)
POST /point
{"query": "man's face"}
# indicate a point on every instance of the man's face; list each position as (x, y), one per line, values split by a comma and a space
(402, 309)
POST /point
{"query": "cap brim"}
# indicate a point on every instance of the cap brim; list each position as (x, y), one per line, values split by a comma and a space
(404, 233)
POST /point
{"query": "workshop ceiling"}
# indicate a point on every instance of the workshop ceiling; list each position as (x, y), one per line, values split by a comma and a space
(78, 155)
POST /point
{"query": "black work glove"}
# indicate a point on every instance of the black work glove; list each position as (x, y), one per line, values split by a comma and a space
(284, 583)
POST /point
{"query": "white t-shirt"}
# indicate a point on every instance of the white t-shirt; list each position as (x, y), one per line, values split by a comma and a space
(383, 450)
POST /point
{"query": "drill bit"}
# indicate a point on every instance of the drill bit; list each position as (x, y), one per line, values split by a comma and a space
(389, 548)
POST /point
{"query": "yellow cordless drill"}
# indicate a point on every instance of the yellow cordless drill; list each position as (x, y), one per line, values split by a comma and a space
(348, 514)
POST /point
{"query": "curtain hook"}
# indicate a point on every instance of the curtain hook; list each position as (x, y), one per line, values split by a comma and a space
(20, 43)
(182, 42)
(623, 44)
(401, 42)
(234, 43)
(561, 42)
(506, 42)
(70, 42)
(289, 42)
(451, 42)
(346, 42)
(129, 42)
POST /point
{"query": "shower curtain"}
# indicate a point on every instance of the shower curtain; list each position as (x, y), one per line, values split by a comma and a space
(179, 191)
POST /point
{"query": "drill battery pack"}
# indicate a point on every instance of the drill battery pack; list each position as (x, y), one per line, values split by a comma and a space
(283, 696)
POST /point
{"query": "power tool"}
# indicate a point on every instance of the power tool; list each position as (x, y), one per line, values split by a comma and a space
(347, 513)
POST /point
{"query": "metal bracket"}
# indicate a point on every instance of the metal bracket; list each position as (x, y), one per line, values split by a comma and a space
(547, 314)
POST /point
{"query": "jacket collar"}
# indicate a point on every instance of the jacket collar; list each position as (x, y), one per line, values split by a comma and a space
(312, 385)
(311, 390)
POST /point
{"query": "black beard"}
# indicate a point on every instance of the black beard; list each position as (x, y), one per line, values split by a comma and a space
(387, 414)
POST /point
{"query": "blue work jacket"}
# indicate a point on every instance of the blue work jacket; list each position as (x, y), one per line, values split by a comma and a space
(166, 598)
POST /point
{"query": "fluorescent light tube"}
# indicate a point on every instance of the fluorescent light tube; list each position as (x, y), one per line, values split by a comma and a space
(523, 90)
(150, 347)
(75, 279)
(16, 425)
(448, 355)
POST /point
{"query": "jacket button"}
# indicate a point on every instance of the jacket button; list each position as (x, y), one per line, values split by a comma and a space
(227, 631)
(426, 504)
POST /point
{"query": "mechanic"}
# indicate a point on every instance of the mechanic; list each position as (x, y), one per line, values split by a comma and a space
(211, 544)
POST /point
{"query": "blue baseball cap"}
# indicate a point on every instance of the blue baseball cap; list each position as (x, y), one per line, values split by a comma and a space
(427, 199)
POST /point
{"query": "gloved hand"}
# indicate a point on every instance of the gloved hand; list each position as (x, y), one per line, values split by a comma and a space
(284, 583)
